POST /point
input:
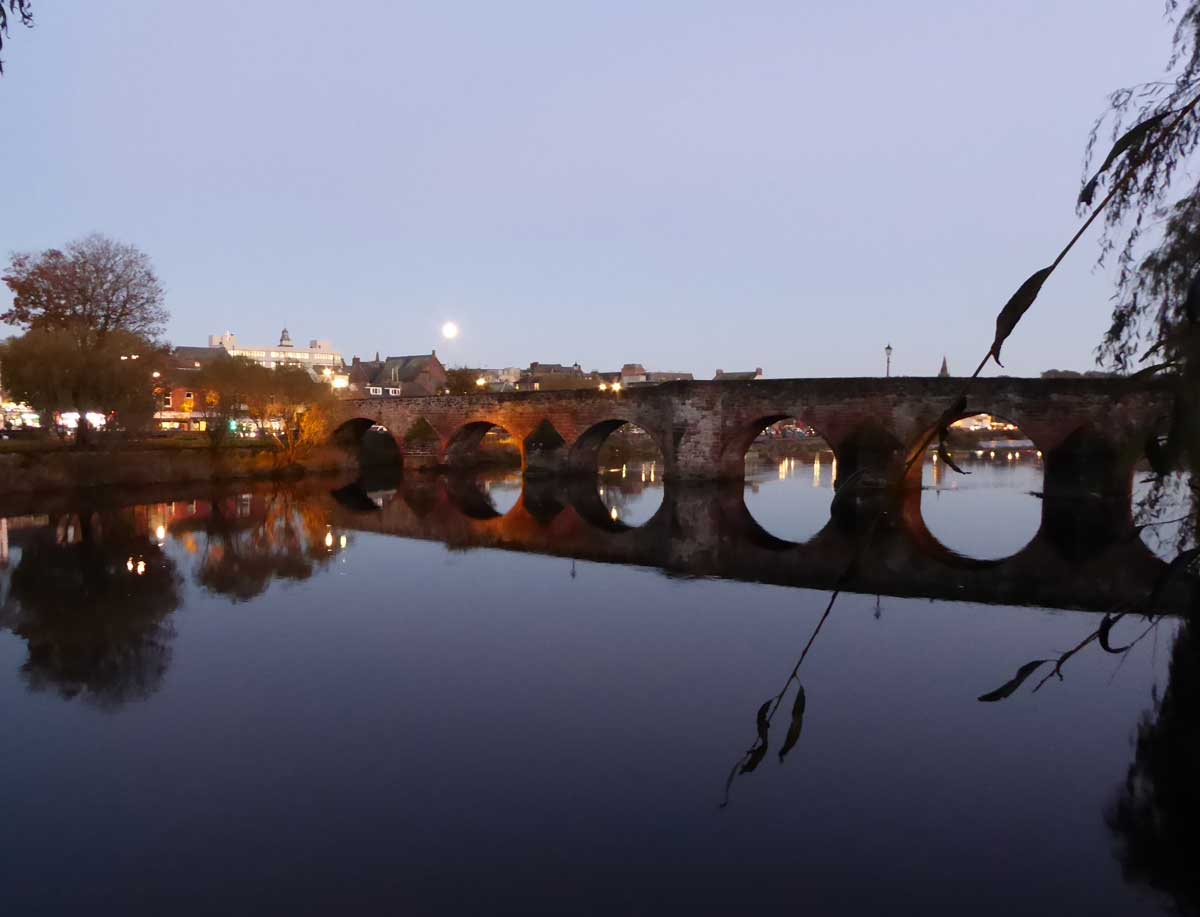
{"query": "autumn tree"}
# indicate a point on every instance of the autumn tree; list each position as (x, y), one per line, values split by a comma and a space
(53, 370)
(22, 10)
(93, 288)
(291, 408)
(224, 388)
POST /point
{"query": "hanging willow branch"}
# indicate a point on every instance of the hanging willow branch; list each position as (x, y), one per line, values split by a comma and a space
(22, 10)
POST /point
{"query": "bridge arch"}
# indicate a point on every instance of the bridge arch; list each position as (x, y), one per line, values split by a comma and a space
(369, 441)
(583, 457)
(473, 498)
(742, 437)
(483, 441)
(994, 509)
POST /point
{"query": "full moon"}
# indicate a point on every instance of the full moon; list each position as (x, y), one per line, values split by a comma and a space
(449, 331)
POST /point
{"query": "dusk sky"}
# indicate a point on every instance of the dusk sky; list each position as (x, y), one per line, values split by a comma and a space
(689, 185)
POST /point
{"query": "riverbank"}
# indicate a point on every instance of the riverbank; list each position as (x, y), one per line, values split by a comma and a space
(57, 470)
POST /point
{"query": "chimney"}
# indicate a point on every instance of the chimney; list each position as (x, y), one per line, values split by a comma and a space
(758, 370)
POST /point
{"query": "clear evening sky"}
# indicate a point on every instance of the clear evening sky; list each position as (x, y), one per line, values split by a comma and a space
(685, 184)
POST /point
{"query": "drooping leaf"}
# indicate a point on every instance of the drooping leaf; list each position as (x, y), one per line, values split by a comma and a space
(1089, 191)
(759, 751)
(1015, 682)
(944, 456)
(1017, 305)
(761, 723)
(1105, 627)
(1134, 135)
(755, 758)
(1127, 140)
(797, 724)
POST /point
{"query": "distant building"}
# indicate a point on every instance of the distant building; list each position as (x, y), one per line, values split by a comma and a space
(412, 376)
(548, 377)
(636, 374)
(747, 376)
(944, 372)
(316, 357)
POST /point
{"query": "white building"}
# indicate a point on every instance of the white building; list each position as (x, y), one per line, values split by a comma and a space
(319, 357)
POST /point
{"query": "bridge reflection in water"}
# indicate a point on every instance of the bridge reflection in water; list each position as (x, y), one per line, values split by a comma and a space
(1086, 554)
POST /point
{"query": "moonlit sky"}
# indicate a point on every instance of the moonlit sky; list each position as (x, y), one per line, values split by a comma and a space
(685, 184)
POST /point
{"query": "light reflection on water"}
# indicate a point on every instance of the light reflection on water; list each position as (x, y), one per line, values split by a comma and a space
(279, 712)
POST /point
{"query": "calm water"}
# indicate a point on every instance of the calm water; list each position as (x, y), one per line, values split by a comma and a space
(432, 699)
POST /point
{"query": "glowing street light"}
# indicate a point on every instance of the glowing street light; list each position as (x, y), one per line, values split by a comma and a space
(603, 387)
(616, 386)
(481, 382)
(449, 331)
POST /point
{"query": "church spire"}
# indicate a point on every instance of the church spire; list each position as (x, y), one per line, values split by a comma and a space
(285, 339)
(944, 372)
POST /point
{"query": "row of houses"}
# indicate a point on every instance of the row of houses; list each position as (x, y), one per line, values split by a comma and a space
(408, 376)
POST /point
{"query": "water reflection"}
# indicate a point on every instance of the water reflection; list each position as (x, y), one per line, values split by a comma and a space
(631, 494)
(91, 595)
(349, 689)
(1155, 815)
(251, 539)
(791, 512)
(990, 512)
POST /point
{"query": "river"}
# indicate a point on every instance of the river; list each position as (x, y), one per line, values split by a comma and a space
(267, 702)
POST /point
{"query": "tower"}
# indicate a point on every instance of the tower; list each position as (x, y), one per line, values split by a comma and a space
(944, 372)
(285, 339)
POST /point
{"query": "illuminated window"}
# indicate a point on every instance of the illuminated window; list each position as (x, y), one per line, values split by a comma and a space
(167, 400)
(374, 390)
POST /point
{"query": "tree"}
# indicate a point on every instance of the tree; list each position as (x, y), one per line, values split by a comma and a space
(224, 387)
(461, 380)
(55, 371)
(23, 10)
(1156, 130)
(93, 288)
(278, 401)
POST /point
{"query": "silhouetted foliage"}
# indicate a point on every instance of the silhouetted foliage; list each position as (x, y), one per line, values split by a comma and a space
(23, 11)
(1156, 814)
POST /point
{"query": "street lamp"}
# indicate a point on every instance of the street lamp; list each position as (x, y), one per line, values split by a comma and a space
(887, 352)
(481, 382)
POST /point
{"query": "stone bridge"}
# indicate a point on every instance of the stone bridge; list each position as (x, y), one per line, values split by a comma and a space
(1086, 554)
(1088, 429)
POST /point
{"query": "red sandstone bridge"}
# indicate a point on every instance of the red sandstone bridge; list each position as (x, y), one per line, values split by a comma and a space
(1087, 429)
